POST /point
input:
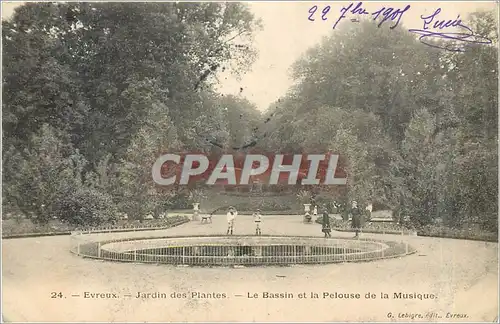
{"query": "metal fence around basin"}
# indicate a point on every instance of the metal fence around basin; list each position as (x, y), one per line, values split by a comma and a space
(235, 250)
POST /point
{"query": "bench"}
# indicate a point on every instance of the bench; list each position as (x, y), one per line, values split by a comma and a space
(206, 218)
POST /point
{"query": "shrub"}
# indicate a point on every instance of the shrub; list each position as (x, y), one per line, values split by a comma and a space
(84, 207)
(429, 230)
(34, 177)
(180, 201)
(463, 233)
(372, 226)
(304, 196)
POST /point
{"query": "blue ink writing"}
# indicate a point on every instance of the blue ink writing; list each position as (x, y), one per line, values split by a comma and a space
(387, 13)
(358, 10)
(325, 11)
(312, 10)
(432, 28)
(390, 13)
(440, 24)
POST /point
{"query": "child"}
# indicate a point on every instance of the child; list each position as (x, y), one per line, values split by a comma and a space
(257, 218)
(231, 216)
(368, 212)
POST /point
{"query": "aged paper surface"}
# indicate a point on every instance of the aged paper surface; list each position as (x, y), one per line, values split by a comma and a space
(250, 162)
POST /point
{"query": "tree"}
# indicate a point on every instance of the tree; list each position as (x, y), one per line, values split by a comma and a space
(452, 161)
(418, 126)
(139, 195)
(116, 83)
(385, 82)
(96, 52)
(241, 118)
(36, 177)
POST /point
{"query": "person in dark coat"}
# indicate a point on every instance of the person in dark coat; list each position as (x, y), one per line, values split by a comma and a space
(326, 228)
(356, 218)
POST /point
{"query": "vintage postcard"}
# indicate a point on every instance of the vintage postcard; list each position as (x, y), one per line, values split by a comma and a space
(250, 161)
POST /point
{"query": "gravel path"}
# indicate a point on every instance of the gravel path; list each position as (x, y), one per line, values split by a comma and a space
(462, 274)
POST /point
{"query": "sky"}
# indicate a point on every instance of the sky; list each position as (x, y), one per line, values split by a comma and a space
(287, 34)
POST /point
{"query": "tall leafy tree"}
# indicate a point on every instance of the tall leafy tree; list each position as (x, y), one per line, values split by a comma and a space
(418, 125)
(99, 74)
(102, 50)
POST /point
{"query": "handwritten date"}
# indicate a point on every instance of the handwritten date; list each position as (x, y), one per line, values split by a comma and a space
(435, 32)
(385, 13)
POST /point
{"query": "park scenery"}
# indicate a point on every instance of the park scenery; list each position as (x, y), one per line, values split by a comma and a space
(198, 162)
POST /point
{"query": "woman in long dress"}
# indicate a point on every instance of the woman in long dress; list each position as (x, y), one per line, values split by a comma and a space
(326, 228)
(356, 218)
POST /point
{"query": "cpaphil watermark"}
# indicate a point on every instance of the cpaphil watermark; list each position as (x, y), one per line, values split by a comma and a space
(244, 169)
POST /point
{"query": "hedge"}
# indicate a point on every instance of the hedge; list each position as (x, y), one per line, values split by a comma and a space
(145, 226)
(428, 231)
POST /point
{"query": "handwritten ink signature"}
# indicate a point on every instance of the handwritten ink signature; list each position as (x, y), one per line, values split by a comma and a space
(386, 13)
(458, 40)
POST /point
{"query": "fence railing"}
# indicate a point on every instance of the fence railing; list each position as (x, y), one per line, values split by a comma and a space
(235, 250)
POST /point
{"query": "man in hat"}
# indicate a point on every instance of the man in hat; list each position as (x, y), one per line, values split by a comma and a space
(231, 216)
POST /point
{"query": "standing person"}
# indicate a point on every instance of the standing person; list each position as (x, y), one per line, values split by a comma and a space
(369, 210)
(356, 218)
(231, 216)
(326, 228)
(257, 218)
(315, 211)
